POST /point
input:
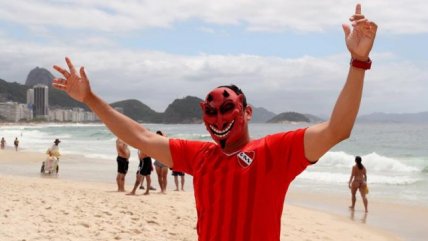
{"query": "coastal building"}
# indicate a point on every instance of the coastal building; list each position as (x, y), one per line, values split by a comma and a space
(72, 115)
(14, 112)
(30, 102)
(41, 104)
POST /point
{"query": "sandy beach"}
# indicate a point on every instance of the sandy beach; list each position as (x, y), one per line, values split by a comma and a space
(45, 208)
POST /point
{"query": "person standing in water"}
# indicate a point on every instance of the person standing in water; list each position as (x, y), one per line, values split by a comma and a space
(358, 181)
(16, 143)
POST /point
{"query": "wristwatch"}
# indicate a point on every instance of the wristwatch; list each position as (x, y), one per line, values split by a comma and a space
(361, 64)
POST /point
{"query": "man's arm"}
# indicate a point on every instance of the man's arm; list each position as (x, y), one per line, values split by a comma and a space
(77, 86)
(321, 137)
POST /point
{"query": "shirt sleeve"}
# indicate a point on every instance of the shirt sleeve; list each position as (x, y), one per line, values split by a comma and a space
(288, 151)
(186, 154)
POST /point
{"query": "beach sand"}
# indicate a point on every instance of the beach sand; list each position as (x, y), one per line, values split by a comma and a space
(46, 208)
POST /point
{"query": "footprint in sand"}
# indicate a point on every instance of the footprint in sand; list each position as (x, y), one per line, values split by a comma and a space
(152, 222)
(86, 225)
(107, 213)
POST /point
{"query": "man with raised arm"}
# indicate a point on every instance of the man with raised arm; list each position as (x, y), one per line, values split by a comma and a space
(240, 183)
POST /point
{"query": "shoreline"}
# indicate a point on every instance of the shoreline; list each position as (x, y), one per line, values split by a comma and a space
(50, 208)
(322, 203)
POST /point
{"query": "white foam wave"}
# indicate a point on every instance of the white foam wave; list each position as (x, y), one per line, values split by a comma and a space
(372, 161)
(377, 162)
(342, 178)
(99, 156)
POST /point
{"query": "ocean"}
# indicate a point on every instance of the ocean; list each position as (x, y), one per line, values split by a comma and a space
(395, 155)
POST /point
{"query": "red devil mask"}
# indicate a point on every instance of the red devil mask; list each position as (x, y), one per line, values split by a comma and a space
(223, 115)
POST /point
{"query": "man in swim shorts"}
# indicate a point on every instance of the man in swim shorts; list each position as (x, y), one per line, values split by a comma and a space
(177, 174)
(122, 160)
(145, 168)
(240, 183)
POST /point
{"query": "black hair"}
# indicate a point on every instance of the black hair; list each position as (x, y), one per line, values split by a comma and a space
(237, 91)
(159, 133)
(358, 161)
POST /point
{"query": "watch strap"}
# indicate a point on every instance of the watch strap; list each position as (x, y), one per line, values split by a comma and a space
(361, 64)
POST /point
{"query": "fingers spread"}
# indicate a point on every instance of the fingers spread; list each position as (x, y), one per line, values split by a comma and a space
(70, 66)
(83, 73)
(62, 71)
(59, 84)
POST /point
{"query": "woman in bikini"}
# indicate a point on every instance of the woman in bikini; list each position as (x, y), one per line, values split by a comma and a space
(358, 181)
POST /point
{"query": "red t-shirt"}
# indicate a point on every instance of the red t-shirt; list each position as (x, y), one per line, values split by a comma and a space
(241, 196)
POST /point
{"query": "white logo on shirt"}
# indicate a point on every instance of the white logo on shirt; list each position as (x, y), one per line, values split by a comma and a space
(245, 158)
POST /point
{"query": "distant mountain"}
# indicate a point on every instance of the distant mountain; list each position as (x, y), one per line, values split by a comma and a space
(39, 76)
(261, 115)
(421, 117)
(13, 92)
(314, 118)
(287, 117)
(138, 111)
(186, 110)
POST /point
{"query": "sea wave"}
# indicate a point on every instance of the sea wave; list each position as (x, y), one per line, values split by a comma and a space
(372, 161)
(340, 178)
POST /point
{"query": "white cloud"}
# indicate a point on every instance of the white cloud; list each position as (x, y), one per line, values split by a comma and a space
(305, 84)
(263, 15)
(84, 30)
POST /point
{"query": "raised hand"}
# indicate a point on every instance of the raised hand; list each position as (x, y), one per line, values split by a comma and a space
(360, 39)
(76, 86)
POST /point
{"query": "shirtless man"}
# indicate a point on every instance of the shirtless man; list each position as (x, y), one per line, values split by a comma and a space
(251, 176)
(145, 168)
(122, 159)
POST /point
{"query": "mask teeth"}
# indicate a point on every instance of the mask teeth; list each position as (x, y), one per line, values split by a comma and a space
(224, 132)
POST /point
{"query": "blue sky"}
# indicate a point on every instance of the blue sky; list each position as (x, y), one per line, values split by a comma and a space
(285, 55)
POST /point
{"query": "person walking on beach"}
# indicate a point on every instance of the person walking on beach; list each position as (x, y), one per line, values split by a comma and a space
(3, 143)
(16, 143)
(358, 181)
(145, 168)
(161, 171)
(240, 183)
(177, 174)
(122, 159)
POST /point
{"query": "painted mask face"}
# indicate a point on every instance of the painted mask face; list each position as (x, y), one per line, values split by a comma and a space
(223, 115)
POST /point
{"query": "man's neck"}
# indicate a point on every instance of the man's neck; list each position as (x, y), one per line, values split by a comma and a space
(237, 146)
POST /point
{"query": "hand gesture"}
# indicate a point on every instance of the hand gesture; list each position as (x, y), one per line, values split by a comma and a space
(76, 86)
(360, 39)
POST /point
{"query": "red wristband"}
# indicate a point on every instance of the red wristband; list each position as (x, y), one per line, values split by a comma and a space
(361, 64)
